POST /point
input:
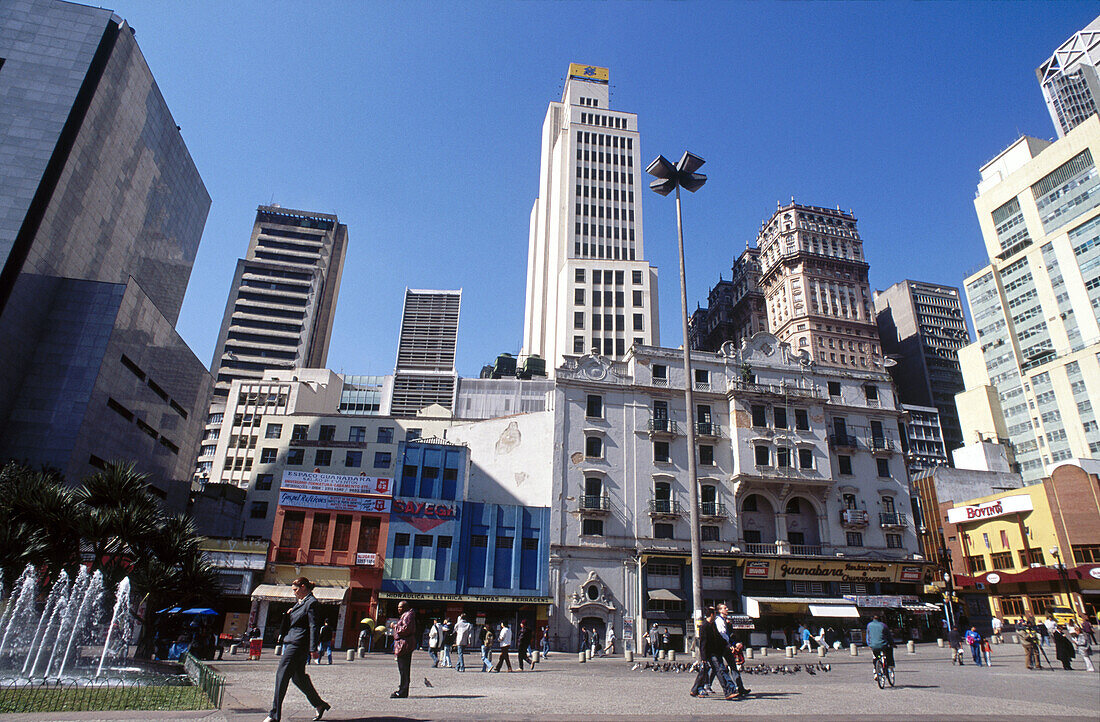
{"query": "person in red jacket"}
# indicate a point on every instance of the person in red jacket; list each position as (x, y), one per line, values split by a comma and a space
(404, 636)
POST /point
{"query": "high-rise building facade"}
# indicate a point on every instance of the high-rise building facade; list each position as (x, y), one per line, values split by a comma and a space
(922, 326)
(1032, 374)
(814, 280)
(280, 309)
(101, 213)
(1070, 79)
(735, 308)
(588, 285)
(425, 372)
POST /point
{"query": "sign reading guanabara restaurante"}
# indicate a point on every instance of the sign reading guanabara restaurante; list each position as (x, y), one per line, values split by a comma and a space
(337, 483)
(837, 571)
(990, 509)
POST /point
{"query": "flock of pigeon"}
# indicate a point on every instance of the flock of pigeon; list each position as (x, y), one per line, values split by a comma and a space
(678, 667)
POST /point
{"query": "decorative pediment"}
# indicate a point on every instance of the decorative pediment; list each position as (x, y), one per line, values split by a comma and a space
(591, 367)
(591, 595)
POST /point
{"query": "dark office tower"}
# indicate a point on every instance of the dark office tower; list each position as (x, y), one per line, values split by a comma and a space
(101, 212)
(735, 308)
(922, 326)
(283, 300)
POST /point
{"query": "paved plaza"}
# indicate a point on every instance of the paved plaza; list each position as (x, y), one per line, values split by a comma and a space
(928, 687)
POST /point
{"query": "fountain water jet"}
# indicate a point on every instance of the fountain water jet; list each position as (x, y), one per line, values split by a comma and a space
(59, 592)
(22, 606)
(120, 619)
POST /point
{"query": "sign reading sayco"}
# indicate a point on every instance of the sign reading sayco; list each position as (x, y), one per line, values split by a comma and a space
(990, 509)
(337, 483)
(336, 503)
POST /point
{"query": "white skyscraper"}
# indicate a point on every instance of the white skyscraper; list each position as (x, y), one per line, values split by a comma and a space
(588, 285)
(1070, 81)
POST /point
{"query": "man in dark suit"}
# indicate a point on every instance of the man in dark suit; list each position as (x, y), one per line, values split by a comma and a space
(299, 639)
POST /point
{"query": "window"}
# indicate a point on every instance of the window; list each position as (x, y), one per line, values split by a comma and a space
(269, 456)
(709, 533)
(871, 392)
(662, 531)
(412, 434)
(637, 298)
(323, 457)
(660, 374)
(759, 416)
(1001, 560)
(1031, 556)
(893, 541)
(780, 415)
(300, 432)
(783, 457)
(594, 409)
(578, 319)
(578, 344)
(264, 481)
(319, 534)
(763, 455)
(354, 459)
(883, 467)
(258, 510)
(639, 322)
(295, 457)
(805, 458)
(844, 464)
(834, 388)
(592, 527)
(706, 455)
(273, 431)
(801, 419)
(328, 433)
(341, 537)
(849, 501)
(1086, 553)
(385, 434)
(578, 296)
(702, 376)
(368, 535)
(382, 460)
(661, 451)
(854, 539)
(636, 276)
(1012, 606)
(976, 563)
(357, 434)
(593, 447)
(578, 275)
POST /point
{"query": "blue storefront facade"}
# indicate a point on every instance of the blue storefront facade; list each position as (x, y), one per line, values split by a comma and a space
(448, 553)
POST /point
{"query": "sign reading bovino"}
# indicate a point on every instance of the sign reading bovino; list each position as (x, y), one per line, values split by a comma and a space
(336, 503)
(337, 483)
(990, 509)
(840, 571)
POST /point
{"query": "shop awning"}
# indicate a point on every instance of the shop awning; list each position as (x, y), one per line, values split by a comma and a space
(665, 595)
(754, 606)
(834, 610)
(922, 608)
(283, 593)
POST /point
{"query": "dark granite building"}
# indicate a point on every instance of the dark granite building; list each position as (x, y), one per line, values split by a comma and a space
(101, 213)
(735, 308)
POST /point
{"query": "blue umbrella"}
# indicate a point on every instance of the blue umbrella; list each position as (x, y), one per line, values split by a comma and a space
(198, 610)
(170, 610)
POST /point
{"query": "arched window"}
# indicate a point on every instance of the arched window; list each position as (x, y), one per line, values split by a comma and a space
(793, 507)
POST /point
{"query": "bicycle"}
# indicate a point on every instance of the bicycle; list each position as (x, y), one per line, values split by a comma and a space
(883, 674)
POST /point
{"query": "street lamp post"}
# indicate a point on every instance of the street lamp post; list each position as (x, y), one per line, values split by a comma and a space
(1062, 575)
(670, 177)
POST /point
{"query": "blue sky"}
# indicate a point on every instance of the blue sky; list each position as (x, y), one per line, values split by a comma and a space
(418, 124)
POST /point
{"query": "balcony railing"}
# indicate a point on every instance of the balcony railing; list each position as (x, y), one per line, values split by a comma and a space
(838, 441)
(663, 426)
(881, 445)
(753, 548)
(660, 382)
(286, 554)
(712, 508)
(669, 507)
(595, 503)
(854, 517)
(806, 550)
(892, 519)
(702, 386)
(752, 387)
(707, 428)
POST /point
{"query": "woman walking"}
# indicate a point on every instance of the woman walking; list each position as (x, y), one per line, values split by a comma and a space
(299, 639)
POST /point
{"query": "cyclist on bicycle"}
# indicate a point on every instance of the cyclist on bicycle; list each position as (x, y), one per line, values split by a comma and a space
(880, 641)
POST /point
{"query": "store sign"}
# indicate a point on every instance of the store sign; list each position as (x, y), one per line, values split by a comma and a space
(839, 571)
(365, 559)
(425, 509)
(334, 502)
(993, 577)
(758, 570)
(337, 483)
(910, 574)
(482, 598)
(881, 600)
(990, 509)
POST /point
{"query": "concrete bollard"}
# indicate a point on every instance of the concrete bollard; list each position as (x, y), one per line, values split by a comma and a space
(748, 652)
(627, 654)
(939, 642)
(233, 648)
(1015, 639)
(672, 655)
(853, 650)
(820, 651)
(911, 647)
(351, 655)
(660, 654)
(588, 653)
(790, 652)
(535, 654)
(763, 651)
(582, 657)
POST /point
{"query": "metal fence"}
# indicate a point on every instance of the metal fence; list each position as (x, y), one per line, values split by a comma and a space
(206, 679)
(87, 695)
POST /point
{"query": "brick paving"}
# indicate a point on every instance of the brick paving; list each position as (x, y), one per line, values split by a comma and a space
(928, 687)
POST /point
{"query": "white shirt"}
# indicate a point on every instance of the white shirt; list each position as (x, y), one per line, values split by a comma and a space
(505, 636)
(720, 624)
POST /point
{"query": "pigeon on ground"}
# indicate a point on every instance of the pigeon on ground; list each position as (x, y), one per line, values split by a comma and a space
(427, 683)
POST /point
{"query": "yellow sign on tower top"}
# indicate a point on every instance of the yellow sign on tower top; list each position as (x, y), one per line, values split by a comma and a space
(588, 72)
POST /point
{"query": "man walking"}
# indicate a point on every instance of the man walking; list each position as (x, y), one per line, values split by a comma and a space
(609, 639)
(325, 635)
(448, 636)
(486, 648)
(463, 634)
(523, 645)
(435, 639)
(805, 635)
(505, 639)
(715, 654)
(404, 632)
(975, 641)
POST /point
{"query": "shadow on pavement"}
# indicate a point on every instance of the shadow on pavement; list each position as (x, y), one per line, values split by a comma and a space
(917, 686)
